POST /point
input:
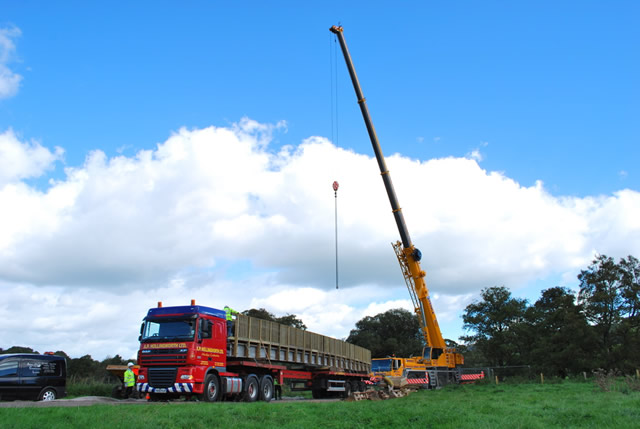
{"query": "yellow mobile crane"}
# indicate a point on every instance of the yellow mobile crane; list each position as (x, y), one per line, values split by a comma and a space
(440, 362)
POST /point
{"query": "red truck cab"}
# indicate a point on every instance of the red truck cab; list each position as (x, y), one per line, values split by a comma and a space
(179, 348)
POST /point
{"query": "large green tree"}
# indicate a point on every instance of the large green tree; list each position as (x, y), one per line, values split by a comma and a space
(630, 289)
(560, 340)
(495, 322)
(630, 328)
(394, 332)
(601, 287)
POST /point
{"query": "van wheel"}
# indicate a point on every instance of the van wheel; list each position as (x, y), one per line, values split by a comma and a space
(47, 395)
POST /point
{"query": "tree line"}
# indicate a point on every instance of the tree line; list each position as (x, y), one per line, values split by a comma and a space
(563, 332)
(288, 319)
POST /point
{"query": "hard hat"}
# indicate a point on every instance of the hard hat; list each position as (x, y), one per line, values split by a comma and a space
(130, 364)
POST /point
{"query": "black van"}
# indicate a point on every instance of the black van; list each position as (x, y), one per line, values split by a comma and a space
(32, 376)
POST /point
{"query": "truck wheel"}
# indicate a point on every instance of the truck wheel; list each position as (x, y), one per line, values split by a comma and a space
(211, 388)
(47, 395)
(253, 389)
(266, 388)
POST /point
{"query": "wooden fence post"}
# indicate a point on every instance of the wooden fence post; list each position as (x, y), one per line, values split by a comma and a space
(585, 375)
(497, 382)
(541, 378)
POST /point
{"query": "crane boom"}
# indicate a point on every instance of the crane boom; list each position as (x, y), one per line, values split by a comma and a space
(408, 256)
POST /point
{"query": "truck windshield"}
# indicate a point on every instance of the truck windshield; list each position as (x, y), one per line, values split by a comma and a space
(380, 365)
(168, 329)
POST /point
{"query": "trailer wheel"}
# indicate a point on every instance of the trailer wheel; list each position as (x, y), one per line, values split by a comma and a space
(347, 389)
(253, 389)
(266, 388)
(211, 388)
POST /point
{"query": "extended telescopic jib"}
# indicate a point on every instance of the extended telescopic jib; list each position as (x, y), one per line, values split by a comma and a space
(409, 257)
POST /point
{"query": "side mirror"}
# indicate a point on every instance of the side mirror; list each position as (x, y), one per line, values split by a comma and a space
(204, 330)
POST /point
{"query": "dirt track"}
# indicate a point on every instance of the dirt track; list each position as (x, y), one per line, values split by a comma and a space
(76, 402)
(86, 401)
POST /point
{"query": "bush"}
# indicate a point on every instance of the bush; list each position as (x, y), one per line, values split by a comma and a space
(88, 387)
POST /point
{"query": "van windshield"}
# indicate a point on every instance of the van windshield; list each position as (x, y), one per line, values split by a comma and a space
(168, 330)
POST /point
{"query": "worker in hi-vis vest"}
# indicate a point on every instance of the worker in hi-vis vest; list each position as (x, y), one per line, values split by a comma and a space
(129, 380)
(277, 389)
(230, 312)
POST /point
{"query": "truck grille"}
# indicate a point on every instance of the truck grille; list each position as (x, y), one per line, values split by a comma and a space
(163, 357)
(162, 377)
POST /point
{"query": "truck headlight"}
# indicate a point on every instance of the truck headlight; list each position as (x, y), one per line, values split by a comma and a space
(186, 377)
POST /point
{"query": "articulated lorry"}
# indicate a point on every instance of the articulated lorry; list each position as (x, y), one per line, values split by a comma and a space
(188, 351)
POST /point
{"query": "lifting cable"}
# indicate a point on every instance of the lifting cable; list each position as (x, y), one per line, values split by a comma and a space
(333, 73)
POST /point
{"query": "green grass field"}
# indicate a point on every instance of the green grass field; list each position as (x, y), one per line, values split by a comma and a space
(560, 405)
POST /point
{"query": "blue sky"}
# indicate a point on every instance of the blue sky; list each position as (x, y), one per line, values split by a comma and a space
(551, 88)
(540, 99)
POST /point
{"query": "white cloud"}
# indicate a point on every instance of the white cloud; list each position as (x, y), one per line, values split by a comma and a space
(9, 80)
(475, 155)
(215, 215)
(24, 160)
